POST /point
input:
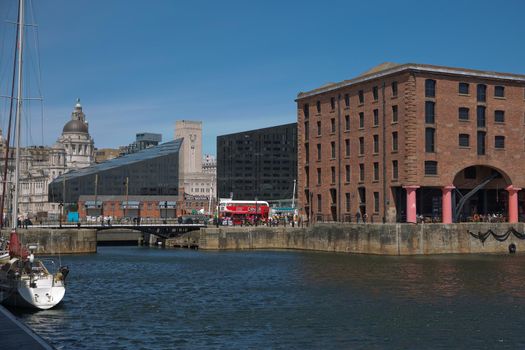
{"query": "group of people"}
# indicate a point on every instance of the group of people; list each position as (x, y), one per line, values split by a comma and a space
(359, 217)
(488, 217)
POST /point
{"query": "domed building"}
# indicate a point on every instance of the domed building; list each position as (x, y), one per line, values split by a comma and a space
(40, 165)
(77, 142)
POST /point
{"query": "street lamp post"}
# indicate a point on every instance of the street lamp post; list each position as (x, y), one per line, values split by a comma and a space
(61, 206)
(165, 211)
(127, 193)
(256, 210)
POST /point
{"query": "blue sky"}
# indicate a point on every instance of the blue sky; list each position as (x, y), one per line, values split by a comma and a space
(238, 65)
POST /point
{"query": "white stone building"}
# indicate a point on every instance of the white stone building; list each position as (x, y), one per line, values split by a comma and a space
(39, 165)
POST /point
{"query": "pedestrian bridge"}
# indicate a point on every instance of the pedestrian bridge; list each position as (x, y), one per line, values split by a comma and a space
(168, 230)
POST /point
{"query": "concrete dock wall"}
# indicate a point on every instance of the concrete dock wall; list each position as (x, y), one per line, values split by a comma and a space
(383, 239)
(63, 241)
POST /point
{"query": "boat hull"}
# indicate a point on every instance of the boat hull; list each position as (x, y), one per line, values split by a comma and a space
(35, 298)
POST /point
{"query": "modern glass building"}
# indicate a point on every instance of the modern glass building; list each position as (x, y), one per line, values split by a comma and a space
(153, 171)
(258, 163)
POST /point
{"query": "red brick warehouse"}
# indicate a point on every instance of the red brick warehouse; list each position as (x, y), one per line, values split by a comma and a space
(401, 141)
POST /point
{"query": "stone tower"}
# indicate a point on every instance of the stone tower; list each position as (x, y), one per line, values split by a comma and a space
(191, 150)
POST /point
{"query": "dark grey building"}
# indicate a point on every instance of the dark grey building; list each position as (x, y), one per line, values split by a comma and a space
(258, 163)
(143, 140)
(153, 171)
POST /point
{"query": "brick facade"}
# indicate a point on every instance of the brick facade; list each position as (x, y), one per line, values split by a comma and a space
(379, 194)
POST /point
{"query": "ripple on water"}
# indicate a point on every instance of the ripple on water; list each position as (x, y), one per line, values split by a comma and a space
(140, 298)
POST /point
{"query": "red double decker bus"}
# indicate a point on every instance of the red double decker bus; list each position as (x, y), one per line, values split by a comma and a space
(237, 212)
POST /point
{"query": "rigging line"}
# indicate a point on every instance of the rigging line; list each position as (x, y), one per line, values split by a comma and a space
(3, 49)
(6, 157)
(36, 41)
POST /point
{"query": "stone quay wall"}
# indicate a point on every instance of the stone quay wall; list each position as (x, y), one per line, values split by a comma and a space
(58, 241)
(382, 239)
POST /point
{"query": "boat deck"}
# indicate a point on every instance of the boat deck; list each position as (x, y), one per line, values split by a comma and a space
(14, 335)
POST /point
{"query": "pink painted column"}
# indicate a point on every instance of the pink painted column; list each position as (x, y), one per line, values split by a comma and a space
(447, 204)
(513, 203)
(411, 203)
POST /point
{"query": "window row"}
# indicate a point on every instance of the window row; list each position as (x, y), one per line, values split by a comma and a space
(361, 116)
(346, 100)
(464, 140)
(347, 173)
(464, 114)
(464, 89)
(347, 202)
(347, 147)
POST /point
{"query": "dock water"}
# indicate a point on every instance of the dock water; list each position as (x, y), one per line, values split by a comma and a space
(15, 335)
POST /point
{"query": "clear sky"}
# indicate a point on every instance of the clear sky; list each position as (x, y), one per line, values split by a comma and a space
(238, 65)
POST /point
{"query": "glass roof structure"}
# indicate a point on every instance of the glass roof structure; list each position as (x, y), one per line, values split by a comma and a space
(153, 171)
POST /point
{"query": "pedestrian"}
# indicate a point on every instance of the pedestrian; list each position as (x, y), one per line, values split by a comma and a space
(358, 216)
(365, 217)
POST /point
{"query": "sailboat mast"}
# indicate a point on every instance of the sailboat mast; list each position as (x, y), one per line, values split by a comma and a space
(19, 101)
(8, 139)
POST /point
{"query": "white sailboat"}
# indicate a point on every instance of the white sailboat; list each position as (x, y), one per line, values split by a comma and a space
(24, 280)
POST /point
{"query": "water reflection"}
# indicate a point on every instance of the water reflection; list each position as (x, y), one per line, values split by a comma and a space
(131, 297)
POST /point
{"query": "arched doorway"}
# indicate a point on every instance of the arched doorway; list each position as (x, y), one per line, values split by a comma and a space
(480, 194)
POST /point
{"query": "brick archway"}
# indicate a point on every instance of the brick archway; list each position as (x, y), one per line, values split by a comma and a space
(481, 193)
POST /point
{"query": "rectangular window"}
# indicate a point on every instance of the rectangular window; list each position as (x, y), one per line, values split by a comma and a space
(307, 152)
(482, 93)
(463, 88)
(430, 112)
(306, 111)
(464, 140)
(318, 105)
(361, 97)
(430, 135)
(332, 103)
(394, 141)
(318, 151)
(306, 131)
(376, 143)
(319, 177)
(347, 100)
(376, 117)
(347, 173)
(499, 91)
(431, 167)
(376, 202)
(361, 120)
(332, 169)
(347, 147)
(463, 113)
(430, 88)
(332, 125)
(376, 171)
(394, 114)
(481, 143)
(361, 146)
(499, 142)
(332, 151)
(375, 93)
(395, 170)
(319, 203)
(347, 202)
(306, 172)
(319, 128)
(481, 116)
(499, 116)
(347, 122)
(361, 172)
(394, 89)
